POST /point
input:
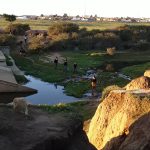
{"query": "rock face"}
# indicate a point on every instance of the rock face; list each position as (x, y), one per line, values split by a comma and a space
(147, 73)
(139, 83)
(121, 121)
(39, 131)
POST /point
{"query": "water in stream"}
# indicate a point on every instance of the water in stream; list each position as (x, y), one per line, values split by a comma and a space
(48, 93)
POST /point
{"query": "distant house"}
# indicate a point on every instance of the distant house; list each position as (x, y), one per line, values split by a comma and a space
(22, 17)
(37, 33)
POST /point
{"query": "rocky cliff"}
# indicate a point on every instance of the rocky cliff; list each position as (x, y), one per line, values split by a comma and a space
(142, 82)
(121, 121)
(147, 73)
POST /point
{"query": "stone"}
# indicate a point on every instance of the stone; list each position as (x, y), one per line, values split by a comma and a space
(120, 121)
(147, 73)
(142, 82)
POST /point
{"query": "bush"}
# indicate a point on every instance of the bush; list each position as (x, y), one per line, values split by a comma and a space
(126, 35)
(108, 89)
(62, 27)
(7, 40)
(18, 29)
(111, 51)
(109, 67)
(36, 44)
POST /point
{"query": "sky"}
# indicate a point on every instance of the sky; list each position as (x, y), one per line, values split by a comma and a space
(102, 8)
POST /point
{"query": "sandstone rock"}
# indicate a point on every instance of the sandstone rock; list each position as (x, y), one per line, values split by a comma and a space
(142, 82)
(147, 73)
(115, 126)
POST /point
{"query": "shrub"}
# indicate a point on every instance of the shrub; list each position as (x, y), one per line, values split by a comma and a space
(108, 89)
(111, 51)
(63, 27)
(17, 29)
(125, 35)
(109, 67)
(7, 40)
(36, 44)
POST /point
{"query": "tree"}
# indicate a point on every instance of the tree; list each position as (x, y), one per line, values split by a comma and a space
(18, 29)
(63, 27)
(65, 15)
(9, 18)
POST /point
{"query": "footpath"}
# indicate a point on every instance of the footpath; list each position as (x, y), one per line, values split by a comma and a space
(6, 73)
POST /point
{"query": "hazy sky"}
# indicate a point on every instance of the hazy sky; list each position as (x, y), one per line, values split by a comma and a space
(107, 8)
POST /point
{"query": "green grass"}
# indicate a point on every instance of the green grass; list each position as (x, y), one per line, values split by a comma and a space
(21, 79)
(77, 89)
(44, 24)
(82, 109)
(45, 70)
(136, 70)
(109, 78)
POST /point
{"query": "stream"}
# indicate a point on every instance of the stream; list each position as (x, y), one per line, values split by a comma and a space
(48, 93)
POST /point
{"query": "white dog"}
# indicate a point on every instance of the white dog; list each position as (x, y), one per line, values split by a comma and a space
(20, 105)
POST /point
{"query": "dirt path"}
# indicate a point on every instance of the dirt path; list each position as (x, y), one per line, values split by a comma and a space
(54, 55)
(40, 131)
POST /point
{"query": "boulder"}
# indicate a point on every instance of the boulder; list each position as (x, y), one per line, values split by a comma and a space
(142, 82)
(121, 121)
(147, 73)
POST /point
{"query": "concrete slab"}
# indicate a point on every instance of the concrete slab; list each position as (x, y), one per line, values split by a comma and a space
(9, 90)
(7, 75)
(2, 57)
(3, 64)
(15, 69)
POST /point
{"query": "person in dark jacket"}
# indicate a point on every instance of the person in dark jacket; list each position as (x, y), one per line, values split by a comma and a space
(75, 67)
(65, 65)
(56, 62)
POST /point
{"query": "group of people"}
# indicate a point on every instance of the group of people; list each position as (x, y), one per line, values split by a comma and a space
(93, 80)
(65, 65)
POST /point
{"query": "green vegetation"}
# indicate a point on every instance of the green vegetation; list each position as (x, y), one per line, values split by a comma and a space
(9, 18)
(21, 79)
(136, 70)
(77, 89)
(36, 44)
(42, 67)
(63, 27)
(88, 47)
(44, 24)
(85, 109)
(17, 28)
(8, 60)
(7, 39)
(37, 68)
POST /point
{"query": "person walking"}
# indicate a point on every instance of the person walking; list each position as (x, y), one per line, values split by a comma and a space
(56, 62)
(75, 67)
(93, 84)
(65, 65)
(25, 39)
